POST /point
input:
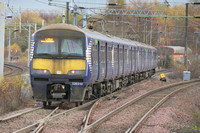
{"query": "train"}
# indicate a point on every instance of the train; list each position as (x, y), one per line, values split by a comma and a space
(70, 64)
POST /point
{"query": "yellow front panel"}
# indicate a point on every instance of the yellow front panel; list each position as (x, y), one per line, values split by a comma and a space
(59, 66)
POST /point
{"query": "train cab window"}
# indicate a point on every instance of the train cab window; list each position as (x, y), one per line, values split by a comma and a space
(71, 47)
(59, 43)
(47, 46)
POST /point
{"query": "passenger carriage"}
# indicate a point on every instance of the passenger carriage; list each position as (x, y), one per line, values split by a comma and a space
(72, 64)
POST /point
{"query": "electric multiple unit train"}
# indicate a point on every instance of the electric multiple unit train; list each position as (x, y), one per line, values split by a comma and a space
(73, 64)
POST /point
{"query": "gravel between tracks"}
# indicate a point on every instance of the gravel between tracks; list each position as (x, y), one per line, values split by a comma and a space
(175, 114)
(22, 121)
(174, 117)
(72, 122)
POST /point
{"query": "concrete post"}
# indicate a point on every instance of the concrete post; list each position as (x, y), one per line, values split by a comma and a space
(9, 45)
(2, 35)
(35, 27)
(186, 37)
(84, 19)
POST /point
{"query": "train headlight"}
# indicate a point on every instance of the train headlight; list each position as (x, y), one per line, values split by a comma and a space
(76, 72)
(40, 71)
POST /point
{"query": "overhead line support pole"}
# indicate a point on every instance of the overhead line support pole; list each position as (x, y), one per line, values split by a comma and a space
(159, 35)
(9, 45)
(75, 15)
(67, 13)
(197, 42)
(186, 39)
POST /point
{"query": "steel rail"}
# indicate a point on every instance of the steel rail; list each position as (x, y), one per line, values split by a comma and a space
(42, 123)
(87, 117)
(14, 66)
(18, 114)
(68, 111)
(105, 117)
(155, 107)
(28, 128)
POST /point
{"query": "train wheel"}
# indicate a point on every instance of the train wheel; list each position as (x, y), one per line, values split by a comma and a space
(44, 103)
(49, 103)
(77, 104)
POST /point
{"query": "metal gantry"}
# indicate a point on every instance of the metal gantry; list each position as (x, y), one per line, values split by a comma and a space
(133, 12)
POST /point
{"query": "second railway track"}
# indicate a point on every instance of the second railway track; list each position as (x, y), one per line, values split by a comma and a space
(141, 107)
(13, 70)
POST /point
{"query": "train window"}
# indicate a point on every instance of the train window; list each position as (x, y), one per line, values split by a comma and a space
(59, 42)
(71, 47)
(44, 47)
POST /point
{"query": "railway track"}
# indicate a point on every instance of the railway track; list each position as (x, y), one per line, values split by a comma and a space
(150, 101)
(13, 70)
(43, 116)
(34, 120)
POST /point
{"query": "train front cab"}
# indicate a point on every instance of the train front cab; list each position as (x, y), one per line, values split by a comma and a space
(58, 66)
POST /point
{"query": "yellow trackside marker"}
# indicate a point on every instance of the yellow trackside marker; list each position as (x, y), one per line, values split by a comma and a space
(162, 75)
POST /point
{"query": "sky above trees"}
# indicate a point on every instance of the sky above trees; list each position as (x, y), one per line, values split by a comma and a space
(43, 4)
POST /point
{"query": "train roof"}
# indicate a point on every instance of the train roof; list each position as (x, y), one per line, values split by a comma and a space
(95, 35)
(60, 26)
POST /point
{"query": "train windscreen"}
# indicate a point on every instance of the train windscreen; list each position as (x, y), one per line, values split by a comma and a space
(59, 43)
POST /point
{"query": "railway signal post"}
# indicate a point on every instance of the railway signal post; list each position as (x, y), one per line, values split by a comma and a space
(2, 35)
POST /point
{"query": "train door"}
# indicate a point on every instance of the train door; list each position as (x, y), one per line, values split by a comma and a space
(116, 60)
(109, 61)
(125, 66)
(99, 62)
(148, 58)
(130, 60)
(144, 59)
(121, 60)
(95, 62)
(133, 59)
(102, 61)
(138, 59)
